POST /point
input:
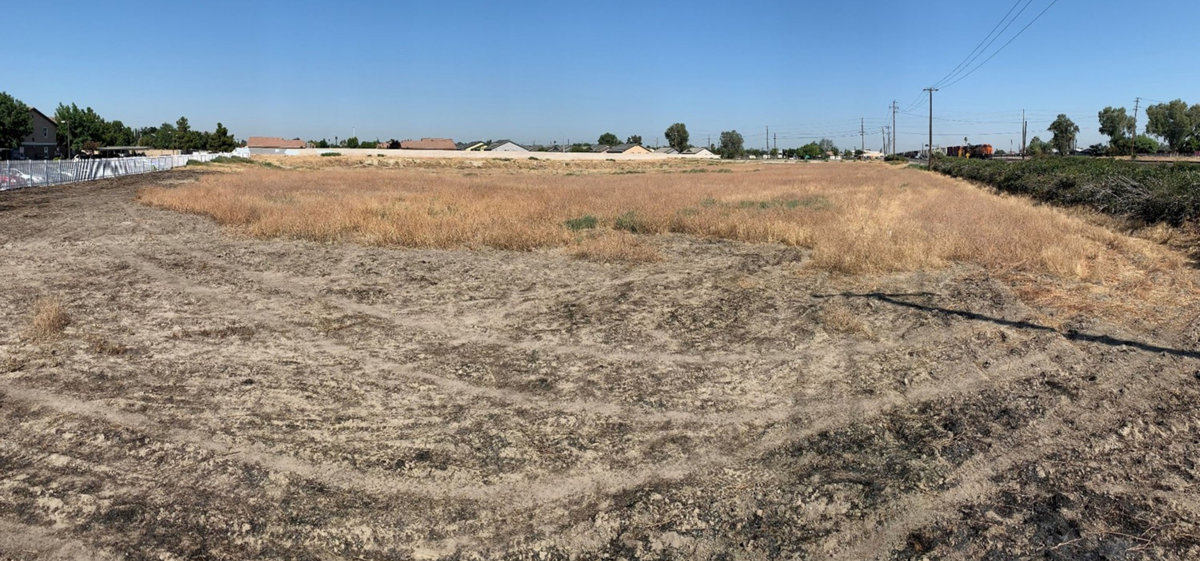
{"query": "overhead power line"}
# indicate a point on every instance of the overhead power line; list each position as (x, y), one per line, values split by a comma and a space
(968, 59)
(1014, 37)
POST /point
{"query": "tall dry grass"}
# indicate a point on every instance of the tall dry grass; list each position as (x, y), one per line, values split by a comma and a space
(49, 320)
(856, 218)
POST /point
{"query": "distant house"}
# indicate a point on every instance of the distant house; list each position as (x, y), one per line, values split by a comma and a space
(428, 144)
(872, 155)
(628, 149)
(600, 148)
(666, 150)
(42, 143)
(475, 146)
(272, 145)
(506, 146)
(698, 151)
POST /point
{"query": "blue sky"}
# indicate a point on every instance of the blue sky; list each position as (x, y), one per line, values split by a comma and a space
(558, 71)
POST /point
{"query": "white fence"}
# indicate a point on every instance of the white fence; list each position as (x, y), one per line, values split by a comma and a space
(39, 173)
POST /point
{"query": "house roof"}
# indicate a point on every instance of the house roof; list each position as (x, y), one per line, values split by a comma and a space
(601, 148)
(696, 150)
(666, 150)
(273, 142)
(465, 145)
(622, 148)
(428, 144)
(51, 119)
(500, 143)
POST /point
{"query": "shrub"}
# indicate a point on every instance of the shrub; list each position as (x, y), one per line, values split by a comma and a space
(585, 222)
(330, 154)
(632, 223)
(1151, 193)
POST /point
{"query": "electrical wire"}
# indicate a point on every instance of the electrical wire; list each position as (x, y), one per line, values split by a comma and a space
(967, 60)
(1014, 37)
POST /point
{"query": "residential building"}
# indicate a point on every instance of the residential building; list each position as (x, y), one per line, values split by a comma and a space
(506, 146)
(42, 143)
(600, 148)
(474, 146)
(628, 149)
(666, 150)
(272, 145)
(698, 151)
(428, 144)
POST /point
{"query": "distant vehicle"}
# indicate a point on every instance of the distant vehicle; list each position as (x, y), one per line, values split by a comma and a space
(28, 178)
(10, 181)
(971, 151)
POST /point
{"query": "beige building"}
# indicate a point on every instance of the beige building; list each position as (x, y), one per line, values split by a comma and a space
(42, 144)
(628, 149)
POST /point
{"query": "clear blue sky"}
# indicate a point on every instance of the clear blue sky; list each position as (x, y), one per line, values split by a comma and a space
(545, 71)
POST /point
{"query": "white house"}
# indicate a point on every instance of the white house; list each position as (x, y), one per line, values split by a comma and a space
(506, 146)
(698, 151)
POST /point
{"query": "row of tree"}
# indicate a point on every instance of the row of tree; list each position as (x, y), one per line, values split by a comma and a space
(1175, 122)
(85, 130)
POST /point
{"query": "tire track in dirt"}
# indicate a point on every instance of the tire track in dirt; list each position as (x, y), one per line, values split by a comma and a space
(877, 536)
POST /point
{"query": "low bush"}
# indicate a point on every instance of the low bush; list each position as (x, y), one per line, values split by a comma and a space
(330, 154)
(585, 222)
(1167, 193)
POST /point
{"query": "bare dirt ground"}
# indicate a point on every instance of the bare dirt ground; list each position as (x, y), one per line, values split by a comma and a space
(216, 397)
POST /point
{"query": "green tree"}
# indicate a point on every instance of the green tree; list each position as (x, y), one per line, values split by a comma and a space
(609, 139)
(1145, 145)
(184, 140)
(732, 145)
(847, 154)
(221, 140)
(811, 151)
(80, 126)
(677, 137)
(15, 121)
(635, 139)
(352, 142)
(1117, 126)
(1037, 147)
(1064, 130)
(827, 145)
(1174, 122)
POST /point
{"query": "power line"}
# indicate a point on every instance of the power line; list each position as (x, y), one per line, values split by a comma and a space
(1039, 16)
(967, 59)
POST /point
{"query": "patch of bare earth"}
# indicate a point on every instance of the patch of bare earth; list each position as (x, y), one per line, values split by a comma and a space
(225, 397)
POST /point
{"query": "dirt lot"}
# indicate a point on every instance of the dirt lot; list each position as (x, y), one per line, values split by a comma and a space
(219, 397)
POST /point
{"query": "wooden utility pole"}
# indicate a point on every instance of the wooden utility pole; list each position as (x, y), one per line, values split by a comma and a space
(1024, 131)
(862, 134)
(930, 153)
(1137, 104)
(894, 107)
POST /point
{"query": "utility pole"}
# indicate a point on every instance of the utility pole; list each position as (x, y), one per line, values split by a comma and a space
(930, 153)
(894, 108)
(776, 142)
(768, 139)
(1137, 104)
(862, 135)
(1024, 131)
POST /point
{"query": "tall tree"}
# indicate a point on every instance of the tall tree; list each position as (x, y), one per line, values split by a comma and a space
(1117, 126)
(609, 139)
(635, 139)
(827, 145)
(80, 126)
(15, 121)
(1064, 130)
(1037, 147)
(221, 140)
(732, 145)
(1174, 122)
(677, 137)
(185, 140)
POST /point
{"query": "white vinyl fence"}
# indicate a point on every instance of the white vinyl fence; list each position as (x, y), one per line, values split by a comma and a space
(39, 173)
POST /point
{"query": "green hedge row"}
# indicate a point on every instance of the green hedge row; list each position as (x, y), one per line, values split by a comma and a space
(1150, 192)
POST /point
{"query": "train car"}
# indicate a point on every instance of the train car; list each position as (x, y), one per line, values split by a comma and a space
(971, 151)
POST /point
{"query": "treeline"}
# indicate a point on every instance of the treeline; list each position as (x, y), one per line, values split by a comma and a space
(1152, 193)
(86, 130)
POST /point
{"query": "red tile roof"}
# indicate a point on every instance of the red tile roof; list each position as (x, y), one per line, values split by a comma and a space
(273, 142)
(428, 144)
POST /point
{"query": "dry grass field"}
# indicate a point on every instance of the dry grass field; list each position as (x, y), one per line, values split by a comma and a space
(356, 358)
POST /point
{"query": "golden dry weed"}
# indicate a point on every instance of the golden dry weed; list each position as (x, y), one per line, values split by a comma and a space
(614, 247)
(49, 320)
(856, 218)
